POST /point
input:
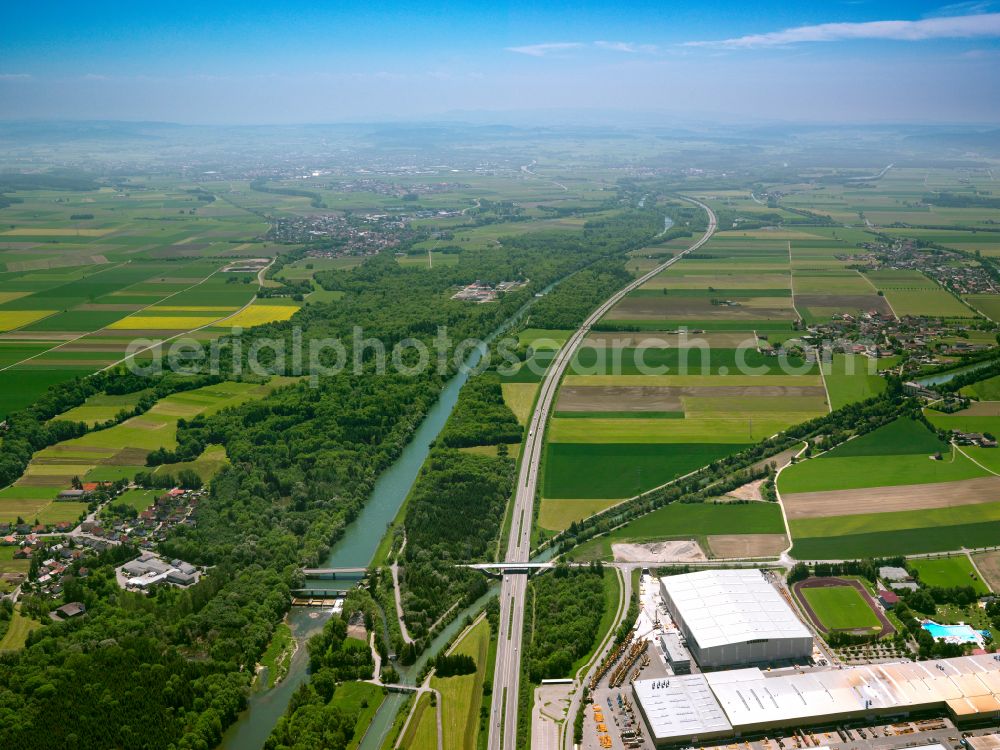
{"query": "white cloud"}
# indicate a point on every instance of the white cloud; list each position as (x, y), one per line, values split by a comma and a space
(548, 48)
(944, 27)
(630, 47)
(14, 76)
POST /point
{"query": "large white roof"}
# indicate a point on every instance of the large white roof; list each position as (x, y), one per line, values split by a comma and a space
(681, 707)
(722, 607)
(966, 685)
(746, 699)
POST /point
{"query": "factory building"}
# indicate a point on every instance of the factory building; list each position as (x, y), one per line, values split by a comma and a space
(691, 708)
(735, 618)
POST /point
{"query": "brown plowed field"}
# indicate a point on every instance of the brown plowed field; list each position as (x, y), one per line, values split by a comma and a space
(747, 545)
(659, 340)
(688, 308)
(668, 397)
(889, 499)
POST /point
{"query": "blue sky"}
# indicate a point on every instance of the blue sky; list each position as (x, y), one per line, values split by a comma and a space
(217, 61)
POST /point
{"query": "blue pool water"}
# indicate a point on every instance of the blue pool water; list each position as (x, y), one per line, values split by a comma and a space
(953, 633)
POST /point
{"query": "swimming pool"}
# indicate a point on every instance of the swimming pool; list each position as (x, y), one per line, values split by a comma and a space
(953, 633)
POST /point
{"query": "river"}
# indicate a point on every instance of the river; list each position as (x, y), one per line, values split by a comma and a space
(944, 377)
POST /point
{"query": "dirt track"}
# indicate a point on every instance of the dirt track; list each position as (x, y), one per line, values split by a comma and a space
(815, 583)
(888, 499)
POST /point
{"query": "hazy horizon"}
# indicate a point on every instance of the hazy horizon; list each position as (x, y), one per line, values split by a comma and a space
(249, 63)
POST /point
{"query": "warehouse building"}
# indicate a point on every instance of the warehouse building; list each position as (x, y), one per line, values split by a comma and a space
(735, 618)
(692, 708)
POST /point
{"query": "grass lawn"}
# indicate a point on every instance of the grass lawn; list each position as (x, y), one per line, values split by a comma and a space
(841, 608)
(543, 338)
(17, 632)
(421, 734)
(206, 466)
(556, 515)
(9, 565)
(138, 499)
(949, 571)
(520, 397)
(462, 696)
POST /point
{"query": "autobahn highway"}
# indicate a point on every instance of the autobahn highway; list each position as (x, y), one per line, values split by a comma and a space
(506, 677)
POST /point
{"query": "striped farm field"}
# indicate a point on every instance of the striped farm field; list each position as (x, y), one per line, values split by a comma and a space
(123, 447)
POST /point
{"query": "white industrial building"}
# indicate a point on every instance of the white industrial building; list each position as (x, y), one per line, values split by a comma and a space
(734, 617)
(693, 708)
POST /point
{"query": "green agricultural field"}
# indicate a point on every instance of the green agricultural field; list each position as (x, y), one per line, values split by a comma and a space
(907, 541)
(421, 732)
(20, 386)
(739, 429)
(987, 304)
(925, 518)
(848, 380)
(620, 470)
(949, 571)
(841, 608)
(984, 390)
(102, 407)
(822, 474)
(899, 437)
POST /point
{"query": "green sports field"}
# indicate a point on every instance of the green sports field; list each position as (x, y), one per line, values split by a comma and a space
(841, 608)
